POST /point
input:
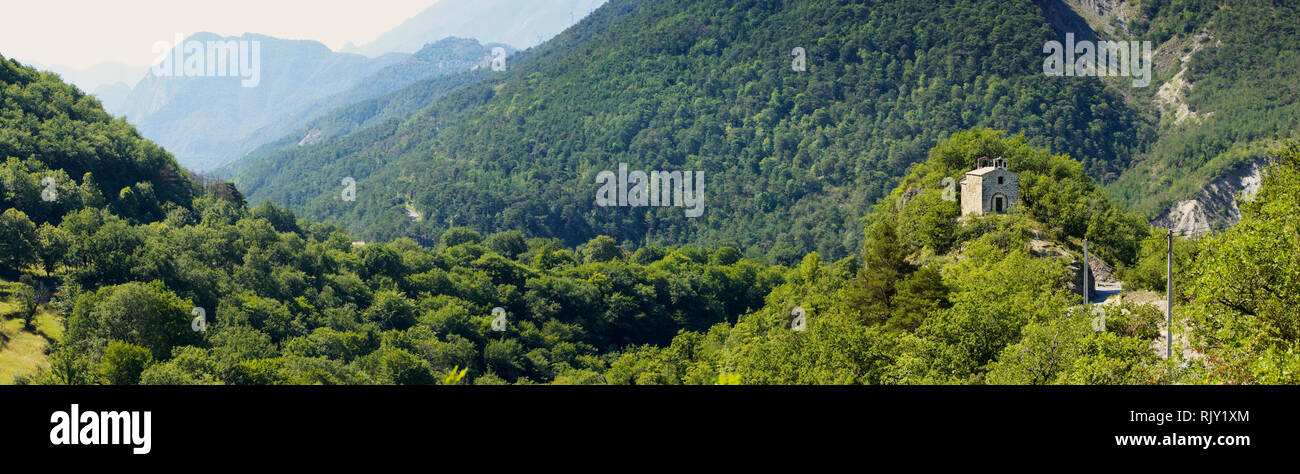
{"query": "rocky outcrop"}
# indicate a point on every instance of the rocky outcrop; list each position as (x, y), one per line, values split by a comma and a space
(1105, 16)
(1048, 249)
(1171, 98)
(1215, 206)
(314, 136)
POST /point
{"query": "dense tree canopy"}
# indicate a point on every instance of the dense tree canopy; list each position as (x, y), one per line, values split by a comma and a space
(792, 159)
(164, 277)
(1243, 291)
(288, 301)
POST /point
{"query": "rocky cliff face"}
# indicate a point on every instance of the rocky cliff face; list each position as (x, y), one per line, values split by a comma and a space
(1103, 15)
(1215, 206)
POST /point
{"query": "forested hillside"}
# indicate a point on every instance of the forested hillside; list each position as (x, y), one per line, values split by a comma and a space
(1238, 95)
(420, 78)
(217, 292)
(937, 300)
(1242, 288)
(792, 159)
(62, 153)
(789, 155)
(136, 271)
(333, 131)
(290, 301)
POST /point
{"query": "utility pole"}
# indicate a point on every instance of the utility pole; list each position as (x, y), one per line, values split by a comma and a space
(1087, 295)
(1169, 299)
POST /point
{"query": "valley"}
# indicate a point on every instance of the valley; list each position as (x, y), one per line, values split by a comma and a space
(374, 215)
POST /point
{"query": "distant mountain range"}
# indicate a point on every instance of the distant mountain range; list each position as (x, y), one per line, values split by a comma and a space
(207, 122)
(521, 24)
(202, 120)
(113, 96)
(445, 57)
(99, 76)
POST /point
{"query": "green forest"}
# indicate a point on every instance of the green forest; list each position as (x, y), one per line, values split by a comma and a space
(829, 252)
(1244, 93)
(289, 301)
(797, 158)
(793, 159)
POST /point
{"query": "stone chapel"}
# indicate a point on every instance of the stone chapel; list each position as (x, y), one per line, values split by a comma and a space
(990, 188)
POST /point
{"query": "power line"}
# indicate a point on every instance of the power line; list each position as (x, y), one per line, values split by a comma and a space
(1193, 231)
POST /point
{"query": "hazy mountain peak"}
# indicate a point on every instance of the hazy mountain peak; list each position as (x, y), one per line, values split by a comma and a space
(92, 78)
(521, 24)
(200, 117)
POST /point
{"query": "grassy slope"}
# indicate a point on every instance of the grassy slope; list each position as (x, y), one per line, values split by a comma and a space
(23, 352)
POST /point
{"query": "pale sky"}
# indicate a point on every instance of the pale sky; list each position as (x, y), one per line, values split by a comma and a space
(82, 33)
